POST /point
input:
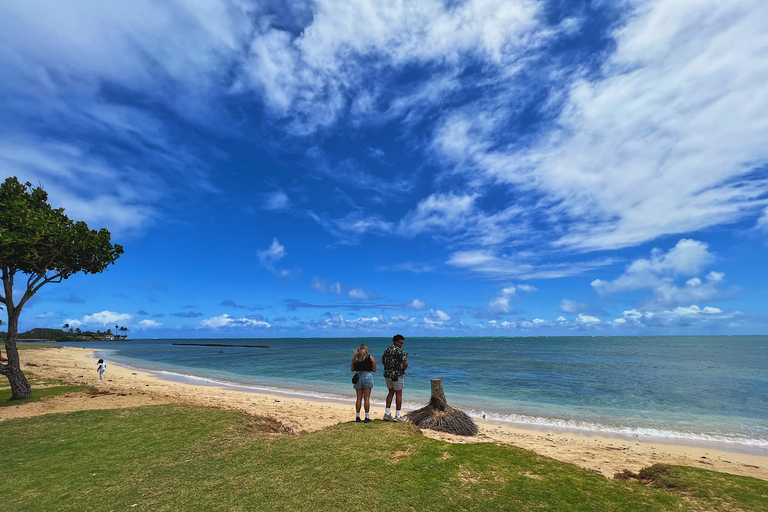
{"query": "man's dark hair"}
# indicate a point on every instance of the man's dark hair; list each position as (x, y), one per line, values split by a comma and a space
(397, 337)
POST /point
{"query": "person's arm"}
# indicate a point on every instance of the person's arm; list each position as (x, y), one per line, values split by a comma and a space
(352, 367)
(373, 362)
(405, 365)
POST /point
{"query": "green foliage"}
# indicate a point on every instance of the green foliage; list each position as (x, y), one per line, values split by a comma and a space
(173, 457)
(37, 239)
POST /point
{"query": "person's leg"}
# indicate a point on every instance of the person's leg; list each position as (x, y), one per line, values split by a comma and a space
(398, 401)
(358, 402)
(367, 397)
(389, 397)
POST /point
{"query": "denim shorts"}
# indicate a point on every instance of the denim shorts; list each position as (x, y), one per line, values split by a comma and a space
(366, 380)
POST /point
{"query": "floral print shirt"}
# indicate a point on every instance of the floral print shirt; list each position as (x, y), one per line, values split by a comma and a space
(393, 361)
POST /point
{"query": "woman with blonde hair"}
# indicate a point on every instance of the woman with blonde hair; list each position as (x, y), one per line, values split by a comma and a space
(364, 366)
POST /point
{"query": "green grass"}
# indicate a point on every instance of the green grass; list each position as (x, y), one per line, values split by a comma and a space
(173, 457)
(41, 388)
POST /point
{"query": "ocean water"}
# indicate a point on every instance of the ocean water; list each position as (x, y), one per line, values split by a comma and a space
(692, 388)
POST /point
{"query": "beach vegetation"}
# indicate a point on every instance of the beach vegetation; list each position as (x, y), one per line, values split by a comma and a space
(41, 243)
(44, 388)
(179, 457)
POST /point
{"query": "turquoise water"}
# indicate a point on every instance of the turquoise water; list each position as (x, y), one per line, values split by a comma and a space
(706, 388)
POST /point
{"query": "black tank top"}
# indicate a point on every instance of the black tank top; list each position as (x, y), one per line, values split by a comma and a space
(366, 365)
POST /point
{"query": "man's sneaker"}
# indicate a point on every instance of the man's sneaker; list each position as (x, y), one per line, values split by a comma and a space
(387, 417)
(357, 419)
(398, 419)
(367, 420)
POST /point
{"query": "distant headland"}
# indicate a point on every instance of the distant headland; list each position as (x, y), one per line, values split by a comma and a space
(48, 334)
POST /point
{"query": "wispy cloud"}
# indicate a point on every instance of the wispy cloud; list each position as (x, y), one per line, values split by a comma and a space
(322, 286)
(361, 294)
(660, 141)
(275, 201)
(502, 266)
(269, 257)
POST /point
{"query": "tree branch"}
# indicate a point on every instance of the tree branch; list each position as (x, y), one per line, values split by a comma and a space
(30, 293)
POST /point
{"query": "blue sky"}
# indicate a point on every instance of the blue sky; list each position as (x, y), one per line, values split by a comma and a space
(361, 168)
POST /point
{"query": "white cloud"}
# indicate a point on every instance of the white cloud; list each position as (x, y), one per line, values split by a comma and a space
(322, 286)
(526, 288)
(436, 316)
(337, 321)
(272, 255)
(353, 225)
(59, 62)
(587, 319)
(658, 274)
(500, 304)
(489, 263)
(570, 306)
(661, 140)
(276, 201)
(103, 318)
(229, 321)
(688, 257)
(418, 304)
(762, 222)
(439, 212)
(679, 316)
(322, 70)
(149, 324)
(360, 294)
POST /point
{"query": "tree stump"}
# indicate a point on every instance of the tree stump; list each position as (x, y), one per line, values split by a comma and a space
(438, 415)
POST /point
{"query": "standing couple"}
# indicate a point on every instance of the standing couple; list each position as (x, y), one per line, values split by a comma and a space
(395, 363)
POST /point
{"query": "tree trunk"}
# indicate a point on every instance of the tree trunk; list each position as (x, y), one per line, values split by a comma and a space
(20, 387)
(12, 369)
(437, 399)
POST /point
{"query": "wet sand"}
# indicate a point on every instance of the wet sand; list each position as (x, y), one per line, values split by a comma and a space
(130, 388)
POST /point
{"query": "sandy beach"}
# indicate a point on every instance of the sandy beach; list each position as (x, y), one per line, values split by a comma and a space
(125, 387)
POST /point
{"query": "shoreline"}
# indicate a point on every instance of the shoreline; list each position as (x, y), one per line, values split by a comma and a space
(545, 428)
(594, 450)
(626, 435)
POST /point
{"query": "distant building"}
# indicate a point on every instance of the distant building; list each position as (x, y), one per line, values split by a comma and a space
(109, 337)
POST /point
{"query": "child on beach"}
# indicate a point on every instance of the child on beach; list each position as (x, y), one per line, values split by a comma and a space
(101, 368)
(364, 367)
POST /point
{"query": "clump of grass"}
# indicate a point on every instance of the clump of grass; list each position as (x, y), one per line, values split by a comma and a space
(657, 475)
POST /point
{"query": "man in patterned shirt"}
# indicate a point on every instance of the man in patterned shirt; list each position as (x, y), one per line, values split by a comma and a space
(395, 364)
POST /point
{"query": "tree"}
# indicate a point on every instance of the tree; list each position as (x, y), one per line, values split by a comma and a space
(44, 245)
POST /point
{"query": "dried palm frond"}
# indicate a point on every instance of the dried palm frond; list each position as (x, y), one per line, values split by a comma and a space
(438, 415)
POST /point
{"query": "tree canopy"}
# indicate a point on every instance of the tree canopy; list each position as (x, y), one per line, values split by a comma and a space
(44, 244)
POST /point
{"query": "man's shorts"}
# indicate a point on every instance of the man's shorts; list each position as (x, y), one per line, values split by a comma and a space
(397, 385)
